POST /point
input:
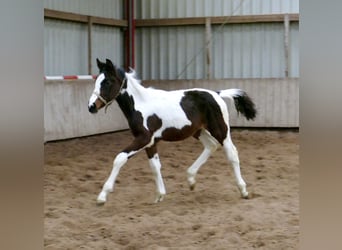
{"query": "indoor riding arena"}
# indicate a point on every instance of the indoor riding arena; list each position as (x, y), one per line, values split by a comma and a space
(172, 45)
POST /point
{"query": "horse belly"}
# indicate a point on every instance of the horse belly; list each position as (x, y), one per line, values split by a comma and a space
(175, 134)
(175, 127)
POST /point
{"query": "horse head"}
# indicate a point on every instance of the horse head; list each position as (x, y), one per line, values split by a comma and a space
(108, 85)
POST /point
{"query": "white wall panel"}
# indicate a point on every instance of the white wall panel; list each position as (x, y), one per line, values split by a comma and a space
(66, 114)
(276, 100)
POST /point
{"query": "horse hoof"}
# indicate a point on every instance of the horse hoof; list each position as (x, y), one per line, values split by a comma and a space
(192, 187)
(101, 199)
(159, 198)
(100, 204)
(245, 195)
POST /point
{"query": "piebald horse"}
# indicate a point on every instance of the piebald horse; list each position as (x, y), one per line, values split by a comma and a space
(155, 115)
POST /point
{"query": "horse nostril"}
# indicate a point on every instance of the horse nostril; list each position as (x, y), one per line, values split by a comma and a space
(92, 109)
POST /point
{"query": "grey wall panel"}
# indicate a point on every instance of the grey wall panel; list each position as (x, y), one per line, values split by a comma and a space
(101, 8)
(269, 7)
(238, 51)
(248, 51)
(163, 53)
(294, 50)
(107, 42)
(198, 8)
(65, 48)
(66, 43)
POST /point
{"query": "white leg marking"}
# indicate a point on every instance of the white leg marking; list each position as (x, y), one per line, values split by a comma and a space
(233, 157)
(156, 166)
(119, 161)
(210, 145)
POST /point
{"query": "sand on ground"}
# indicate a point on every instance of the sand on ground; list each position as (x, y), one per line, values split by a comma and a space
(213, 216)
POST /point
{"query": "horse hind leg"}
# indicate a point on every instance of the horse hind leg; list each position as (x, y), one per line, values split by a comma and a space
(233, 157)
(210, 145)
(156, 167)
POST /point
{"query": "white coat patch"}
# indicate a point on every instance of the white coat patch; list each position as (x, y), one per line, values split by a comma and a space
(98, 81)
(164, 104)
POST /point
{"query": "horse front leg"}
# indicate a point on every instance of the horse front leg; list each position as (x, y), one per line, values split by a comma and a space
(156, 167)
(119, 161)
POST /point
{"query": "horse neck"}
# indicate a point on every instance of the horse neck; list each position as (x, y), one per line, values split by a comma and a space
(135, 89)
(134, 93)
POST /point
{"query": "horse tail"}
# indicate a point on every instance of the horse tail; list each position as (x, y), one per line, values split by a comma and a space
(243, 103)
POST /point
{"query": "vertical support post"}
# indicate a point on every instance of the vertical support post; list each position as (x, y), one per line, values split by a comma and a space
(90, 24)
(286, 43)
(129, 34)
(208, 35)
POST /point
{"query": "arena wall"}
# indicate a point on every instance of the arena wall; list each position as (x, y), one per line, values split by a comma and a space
(66, 111)
(66, 114)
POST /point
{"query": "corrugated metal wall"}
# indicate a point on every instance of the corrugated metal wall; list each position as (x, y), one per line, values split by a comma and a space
(66, 43)
(162, 53)
(249, 51)
(101, 8)
(108, 42)
(238, 50)
(198, 8)
(65, 48)
(294, 50)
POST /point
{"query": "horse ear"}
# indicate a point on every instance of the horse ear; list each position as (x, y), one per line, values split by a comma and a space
(110, 64)
(100, 64)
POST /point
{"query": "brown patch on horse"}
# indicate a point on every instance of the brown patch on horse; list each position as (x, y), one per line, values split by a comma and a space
(154, 123)
(197, 134)
(202, 110)
(99, 104)
(151, 151)
(174, 134)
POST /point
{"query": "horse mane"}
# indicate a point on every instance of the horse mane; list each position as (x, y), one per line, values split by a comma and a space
(133, 76)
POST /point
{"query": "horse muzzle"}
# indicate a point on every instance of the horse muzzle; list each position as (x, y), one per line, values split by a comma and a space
(92, 108)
